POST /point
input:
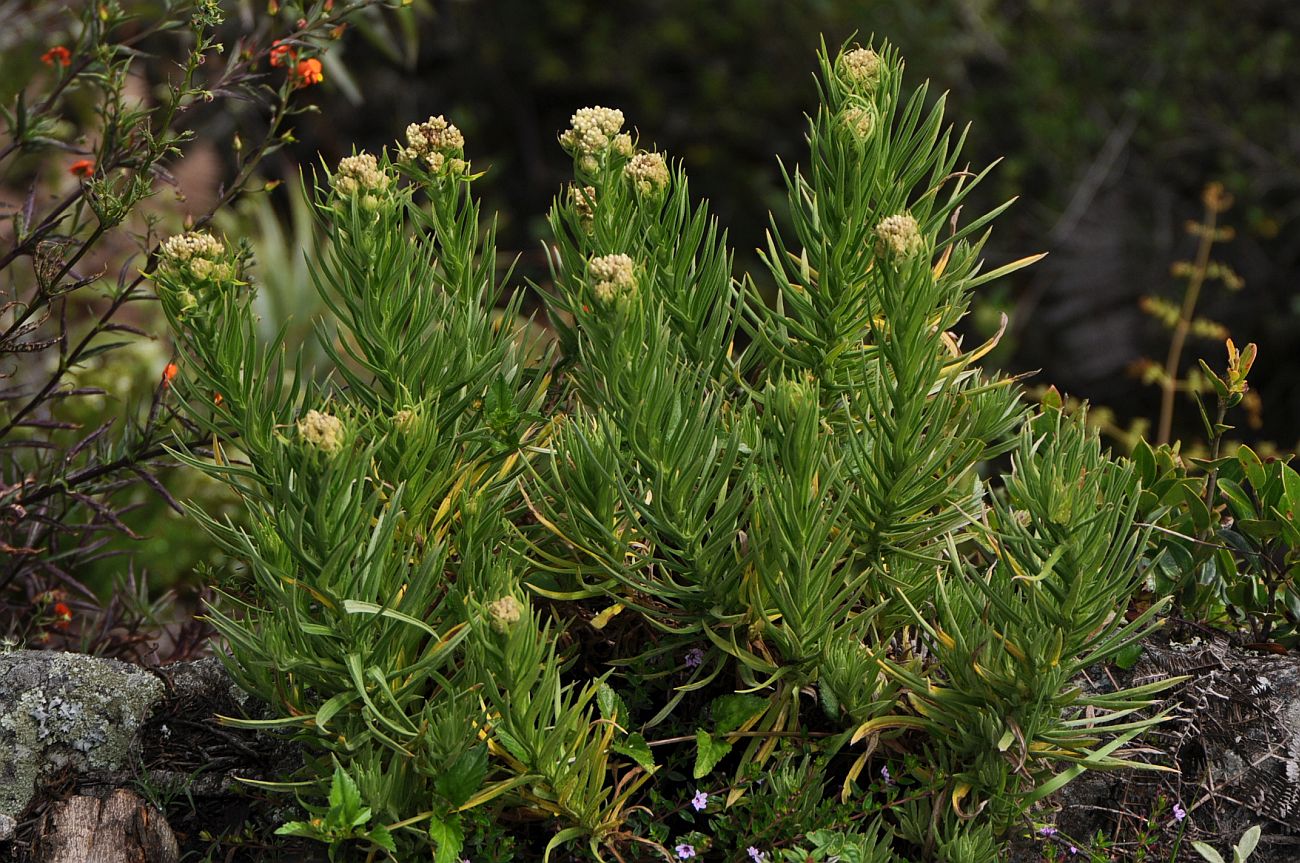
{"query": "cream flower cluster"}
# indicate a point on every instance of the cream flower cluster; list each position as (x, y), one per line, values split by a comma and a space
(613, 276)
(322, 431)
(584, 204)
(504, 613)
(359, 173)
(199, 254)
(861, 67)
(593, 132)
(899, 235)
(860, 120)
(648, 173)
(436, 143)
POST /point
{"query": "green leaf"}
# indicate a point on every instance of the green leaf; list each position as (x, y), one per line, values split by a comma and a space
(298, 828)
(448, 837)
(383, 838)
(732, 711)
(1290, 491)
(634, 746)
(345, 799)
(1208, 853)
(465, 776)
(1127, 656)
(708, 752)
(1246, 845)
(612, 706)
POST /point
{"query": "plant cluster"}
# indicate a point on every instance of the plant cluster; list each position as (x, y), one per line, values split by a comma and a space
(705, 555)
(84, 398)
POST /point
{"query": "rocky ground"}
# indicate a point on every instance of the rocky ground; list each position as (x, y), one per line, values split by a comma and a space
(108, 762)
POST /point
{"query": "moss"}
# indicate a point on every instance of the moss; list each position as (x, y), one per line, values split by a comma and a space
(61, 710)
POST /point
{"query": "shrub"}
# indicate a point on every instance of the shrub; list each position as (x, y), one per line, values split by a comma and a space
(84, 404)
(500, 587)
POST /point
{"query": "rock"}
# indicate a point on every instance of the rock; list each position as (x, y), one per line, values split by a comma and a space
(64, 711)
(1233, 737)
(120, 828)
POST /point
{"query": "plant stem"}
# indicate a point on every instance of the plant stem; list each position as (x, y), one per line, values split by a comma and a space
(1169, 385)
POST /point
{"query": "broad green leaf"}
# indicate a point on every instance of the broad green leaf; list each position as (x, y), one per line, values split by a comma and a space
(709, 750)
(732, 711)
(448, 837)
(465, 775)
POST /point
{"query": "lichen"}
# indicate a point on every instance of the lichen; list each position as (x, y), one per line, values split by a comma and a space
(66, 710)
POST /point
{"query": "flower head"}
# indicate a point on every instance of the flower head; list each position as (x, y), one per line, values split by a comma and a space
(308, 72)
(755, 855)
(694, 658)
(1179, 812)
(899, 235)
(322, 431)
(504, 613)
(612, 276)
(700, 801)
(58, 54)
(648, 173)
(685, 852)
(584, 204)
(435, 142)
(860, 67)
(593, 132)
(359, 173)
(884, 774)
(82, 168)
(1047, 830)
(169, 373)
(282, 54)
(62, 615)
(200, 255)
(859, 120)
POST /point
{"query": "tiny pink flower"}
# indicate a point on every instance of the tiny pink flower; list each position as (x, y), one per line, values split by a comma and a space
(685, 852)
(700, 801)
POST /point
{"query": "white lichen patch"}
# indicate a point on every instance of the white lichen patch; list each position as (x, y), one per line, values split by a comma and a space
(62, 710)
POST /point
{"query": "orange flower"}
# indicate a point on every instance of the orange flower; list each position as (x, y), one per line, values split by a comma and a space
(168, 373)
(57, 54)
(82, 168)
(308, 73)
(281, 54)
(62, 615)
(217, 399)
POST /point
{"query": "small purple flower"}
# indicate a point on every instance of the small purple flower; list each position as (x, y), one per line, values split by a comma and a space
(685, 852)
(1049, 830)
(694, 658)
(1074, 850)
(884, 774)
(1179, 812)
(756, 855)
(700, 801)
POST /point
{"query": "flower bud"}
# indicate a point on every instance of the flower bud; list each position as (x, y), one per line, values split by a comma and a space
(613, 276)
(433, 142)
(860, 68)
(322, 431)
(899, 236)
(504, 613)
(359, 173)
(648, 173)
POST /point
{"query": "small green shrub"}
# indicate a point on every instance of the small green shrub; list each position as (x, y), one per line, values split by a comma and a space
(705, 577)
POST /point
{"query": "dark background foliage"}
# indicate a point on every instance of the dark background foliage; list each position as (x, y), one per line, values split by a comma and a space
(1110, 116)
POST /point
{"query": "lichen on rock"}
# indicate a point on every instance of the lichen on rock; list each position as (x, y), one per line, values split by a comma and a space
(60, 710)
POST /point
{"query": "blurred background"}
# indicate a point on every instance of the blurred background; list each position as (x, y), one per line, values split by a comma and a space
(1110, 117)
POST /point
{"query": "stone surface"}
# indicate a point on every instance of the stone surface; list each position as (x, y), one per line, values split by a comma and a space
(64, 711)
(120, 828)
(1233, 737)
